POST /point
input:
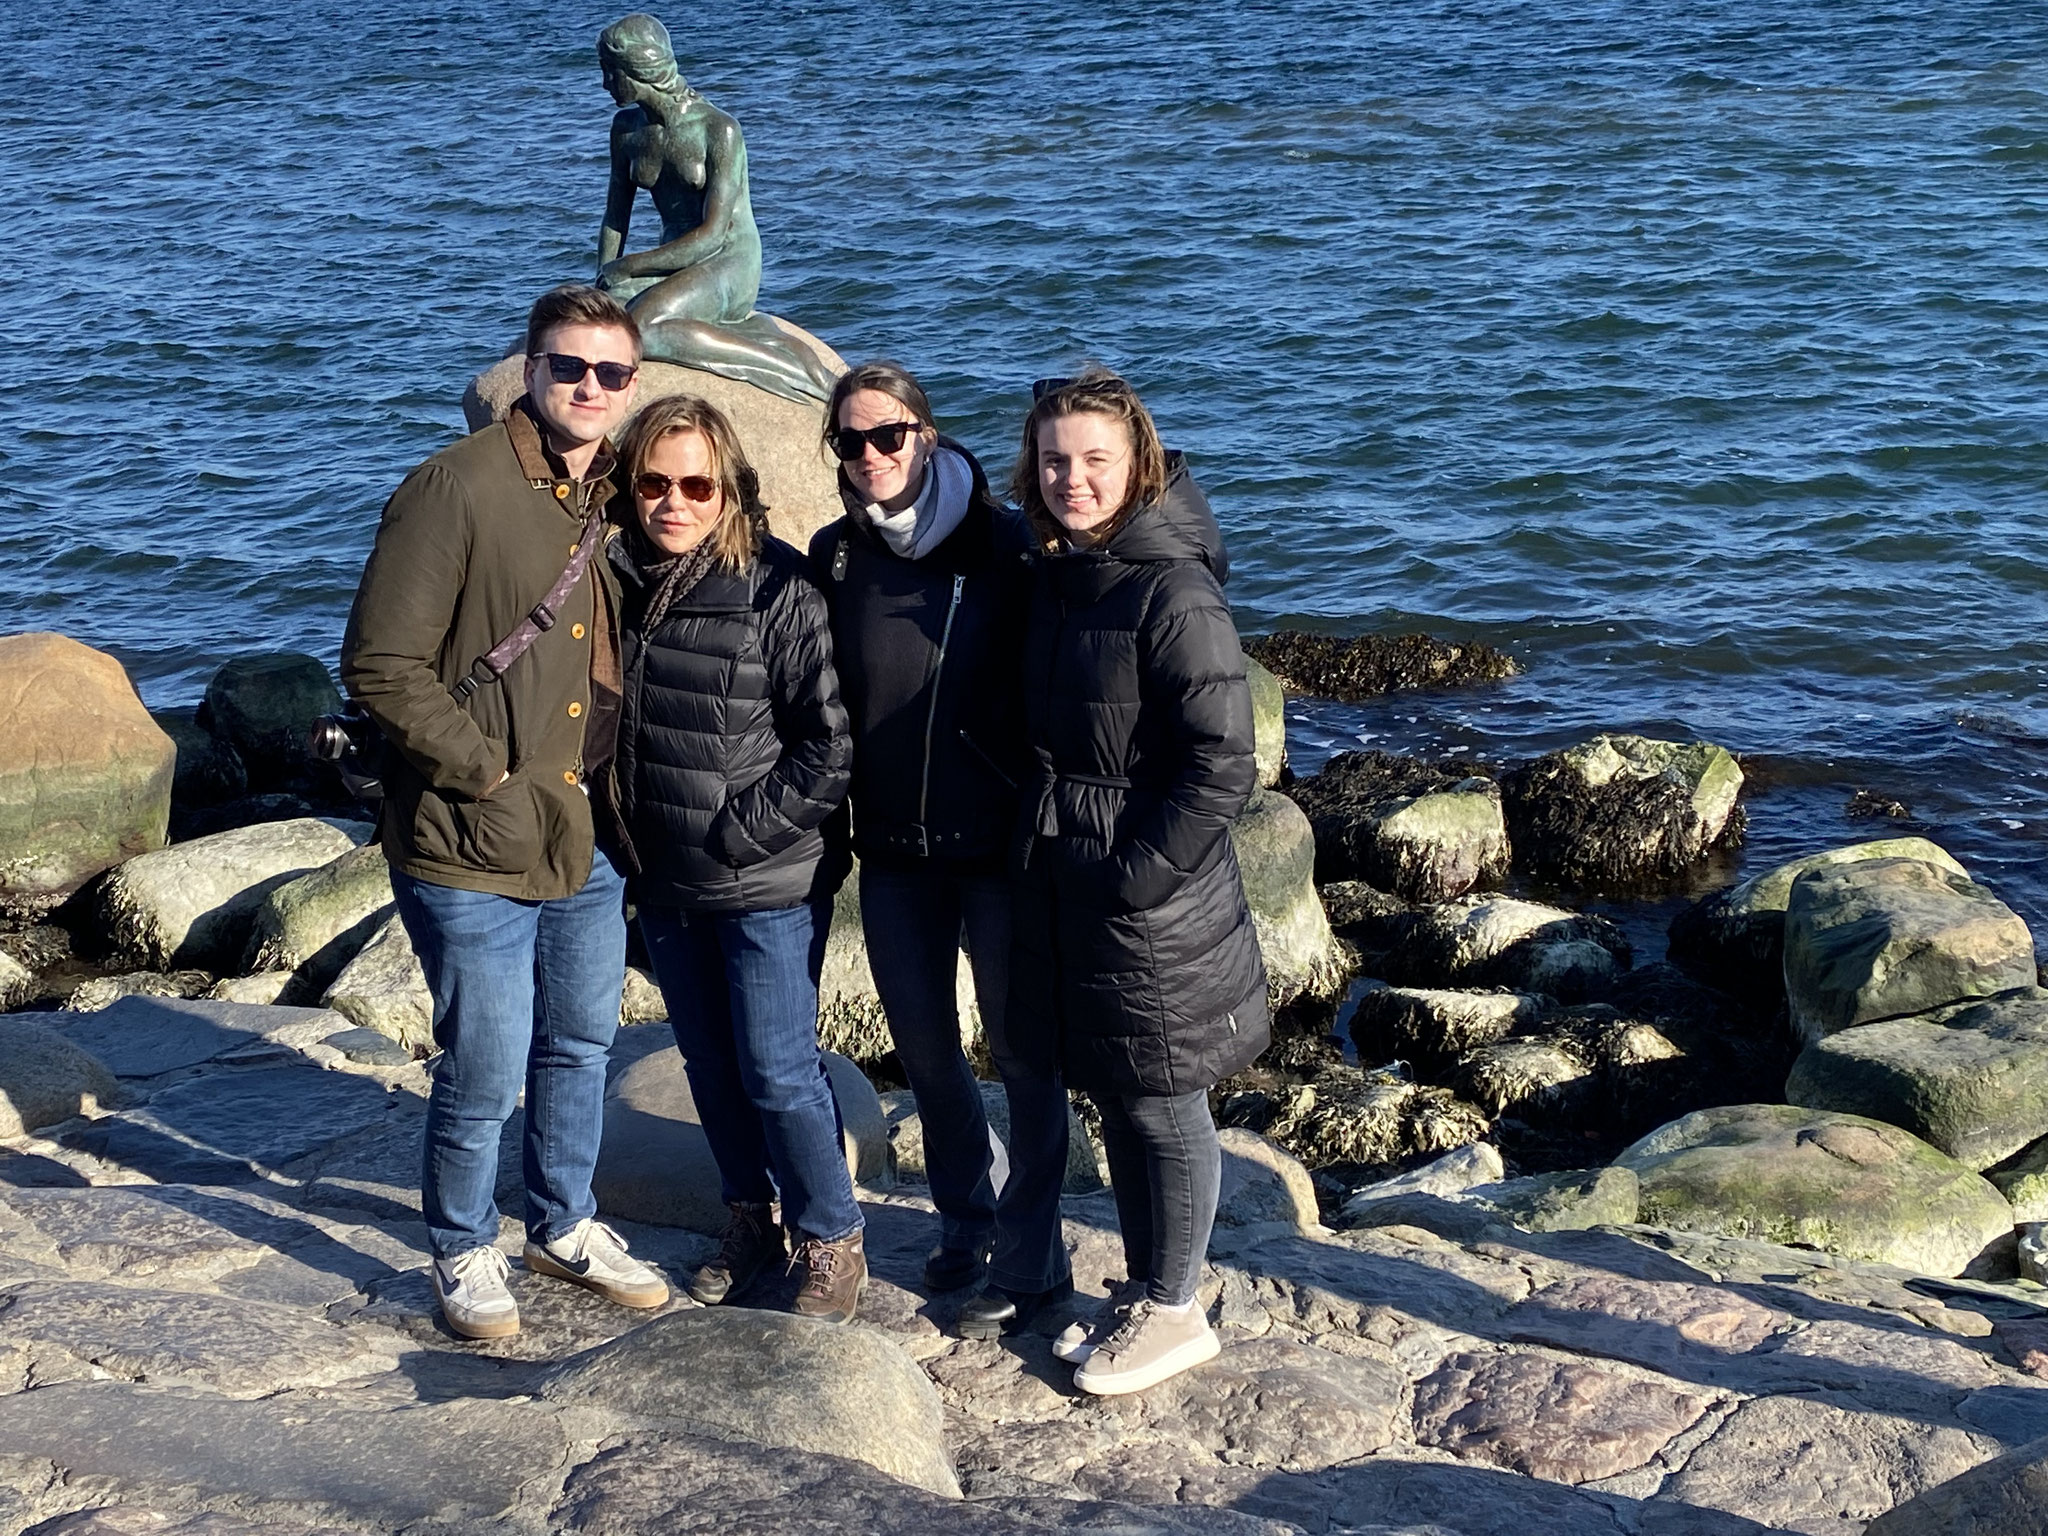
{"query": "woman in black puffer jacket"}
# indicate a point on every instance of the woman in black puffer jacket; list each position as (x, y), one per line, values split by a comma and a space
(1134, 964)
(733, 753)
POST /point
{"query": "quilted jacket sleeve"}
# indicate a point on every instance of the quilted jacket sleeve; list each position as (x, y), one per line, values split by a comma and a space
(810, 777)
(1192, 679)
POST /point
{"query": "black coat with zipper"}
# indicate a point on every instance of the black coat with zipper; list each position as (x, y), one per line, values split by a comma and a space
(1134, 961)
(733, 747)
(927, 658)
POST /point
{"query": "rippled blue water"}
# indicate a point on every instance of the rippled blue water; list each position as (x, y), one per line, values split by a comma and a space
(1696, 357)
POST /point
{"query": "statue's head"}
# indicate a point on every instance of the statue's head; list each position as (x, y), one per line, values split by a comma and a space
(636, 49)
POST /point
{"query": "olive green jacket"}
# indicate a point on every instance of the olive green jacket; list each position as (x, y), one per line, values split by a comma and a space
(468, 544)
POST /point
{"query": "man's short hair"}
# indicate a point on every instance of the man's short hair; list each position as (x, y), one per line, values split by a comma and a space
(577, 304)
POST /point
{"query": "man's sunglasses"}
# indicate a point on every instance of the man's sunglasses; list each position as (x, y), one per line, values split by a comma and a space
(848, 442)
(568, 368)
(653, 487)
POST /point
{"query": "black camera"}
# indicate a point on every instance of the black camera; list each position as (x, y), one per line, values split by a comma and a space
(350, 741)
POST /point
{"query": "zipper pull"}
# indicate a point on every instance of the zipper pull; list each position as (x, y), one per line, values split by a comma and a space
(959, 581)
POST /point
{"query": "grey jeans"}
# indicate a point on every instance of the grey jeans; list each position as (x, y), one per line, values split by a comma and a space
(1166, 1168)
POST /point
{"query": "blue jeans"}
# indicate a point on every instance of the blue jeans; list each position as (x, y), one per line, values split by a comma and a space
(914, 921)
(742, 994)
(526, 993)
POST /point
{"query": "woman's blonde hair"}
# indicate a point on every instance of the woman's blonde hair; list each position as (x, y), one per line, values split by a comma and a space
(1096, 391)
(743, 520)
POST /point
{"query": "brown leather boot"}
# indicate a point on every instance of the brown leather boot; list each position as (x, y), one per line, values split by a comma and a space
(751, 1241)
(834, 1276)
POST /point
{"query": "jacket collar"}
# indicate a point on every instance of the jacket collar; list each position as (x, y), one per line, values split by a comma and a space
(543, 467)
(717, 591)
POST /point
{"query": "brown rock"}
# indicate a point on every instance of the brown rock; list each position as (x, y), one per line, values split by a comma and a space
(1556, 1419)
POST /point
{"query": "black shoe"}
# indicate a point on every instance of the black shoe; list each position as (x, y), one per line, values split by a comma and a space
(995, 1311)
(955, 1269)
(751, 1242)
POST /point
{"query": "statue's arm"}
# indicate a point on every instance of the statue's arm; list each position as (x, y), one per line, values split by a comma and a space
(618, 203)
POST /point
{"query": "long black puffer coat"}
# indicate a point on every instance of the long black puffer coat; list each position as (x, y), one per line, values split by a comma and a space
(927, 657)
(733, 745)
(1134, 957)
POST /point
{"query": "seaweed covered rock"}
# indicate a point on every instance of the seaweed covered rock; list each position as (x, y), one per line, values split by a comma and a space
(1425, 833)
(1502, 941)
(1431, 1028)
(1971, 1079)
(1622, 810)
(1372, 665)
(85, 774)
(264, 705)
(316, 924)
(1847, 1185)
(1276, 856)
(1349, 1119)
(98, 992)
(1883, 938)
(1735, 938)
(1373, 922)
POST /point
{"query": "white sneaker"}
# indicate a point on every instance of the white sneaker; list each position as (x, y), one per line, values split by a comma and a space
(1153, 1343)
(1077, 1342)
(471, 1290)
(592, 1255)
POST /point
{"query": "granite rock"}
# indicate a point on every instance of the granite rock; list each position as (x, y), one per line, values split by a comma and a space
(316, 924)
(45, 1078)
(1276, 856)
(1423, 832)
(1502, 941)
(384, 988)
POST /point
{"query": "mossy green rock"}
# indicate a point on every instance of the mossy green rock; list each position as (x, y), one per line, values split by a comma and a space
(315, 925)
(1276, 854)
(2023, 1180)
(85, 774)
(263, 706)
(1269, 722)
(1971, 1079)
(1565, 1202)
(1884, 938)
(1811, 1178)
(1735, 938)
(384, 988)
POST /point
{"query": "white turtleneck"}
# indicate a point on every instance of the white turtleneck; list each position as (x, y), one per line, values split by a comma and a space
(938, 508)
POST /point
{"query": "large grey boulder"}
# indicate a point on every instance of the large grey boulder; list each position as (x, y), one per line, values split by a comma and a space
(771, 1379)
(1269, 722)
(2007, 1496)
(1972, 1078)
(1735, 938)
(85, 774)
(1423, 832)
(45, 1079)
(191, 905)
(264, 705)
(1622, 810)
(656, 1163)
(1503, 941)
(1882, 938)
(316, 924)
(1841, 1183)
(384, 988)
(1276, 855)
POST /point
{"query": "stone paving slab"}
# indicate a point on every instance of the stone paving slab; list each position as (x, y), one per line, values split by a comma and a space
(148, 1036)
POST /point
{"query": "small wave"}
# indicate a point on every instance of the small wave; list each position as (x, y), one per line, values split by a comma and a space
(1997, 726)
(1607, 326)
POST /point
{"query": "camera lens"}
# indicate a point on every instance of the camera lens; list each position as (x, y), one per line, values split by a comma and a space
(328, 740)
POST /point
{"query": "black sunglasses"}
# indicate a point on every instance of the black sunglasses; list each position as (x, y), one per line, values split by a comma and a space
(848, 442)
(568, 368)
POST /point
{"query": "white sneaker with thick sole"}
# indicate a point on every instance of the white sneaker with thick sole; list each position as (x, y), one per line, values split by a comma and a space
(1078, 1340)
(592, 1255)
(471, 1290)
(1152, 1344)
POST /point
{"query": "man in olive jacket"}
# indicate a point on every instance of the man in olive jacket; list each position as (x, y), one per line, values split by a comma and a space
(517, 916)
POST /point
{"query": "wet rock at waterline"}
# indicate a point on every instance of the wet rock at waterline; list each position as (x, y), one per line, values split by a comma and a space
(1372, 922)
(208, 771)
(1371, 665)
(1502, 941)
(1840, 1183)
(1622, 810)
(1735, 938)
(192, 904)
(1884, 938)
(1276, 856)
(1423, 832)
(1971, 1079)
(85, 773)
(656, 1163)
(1431, 1028)
(263, 706)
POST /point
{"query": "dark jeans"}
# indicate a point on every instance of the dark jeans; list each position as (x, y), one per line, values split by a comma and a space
(742, 994)
(526, 993)
(914, 922)
(1166, 1167)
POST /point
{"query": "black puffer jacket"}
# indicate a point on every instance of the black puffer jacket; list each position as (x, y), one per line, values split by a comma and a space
(1134, 958)
(927, 657)
(733, 746)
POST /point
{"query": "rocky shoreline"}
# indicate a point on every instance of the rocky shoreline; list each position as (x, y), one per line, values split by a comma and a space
(1522, 1229)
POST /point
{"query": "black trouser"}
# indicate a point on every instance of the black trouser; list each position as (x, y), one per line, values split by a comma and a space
(1166, 1167)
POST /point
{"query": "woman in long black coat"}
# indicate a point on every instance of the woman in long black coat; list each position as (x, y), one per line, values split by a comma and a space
(1135, 966)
